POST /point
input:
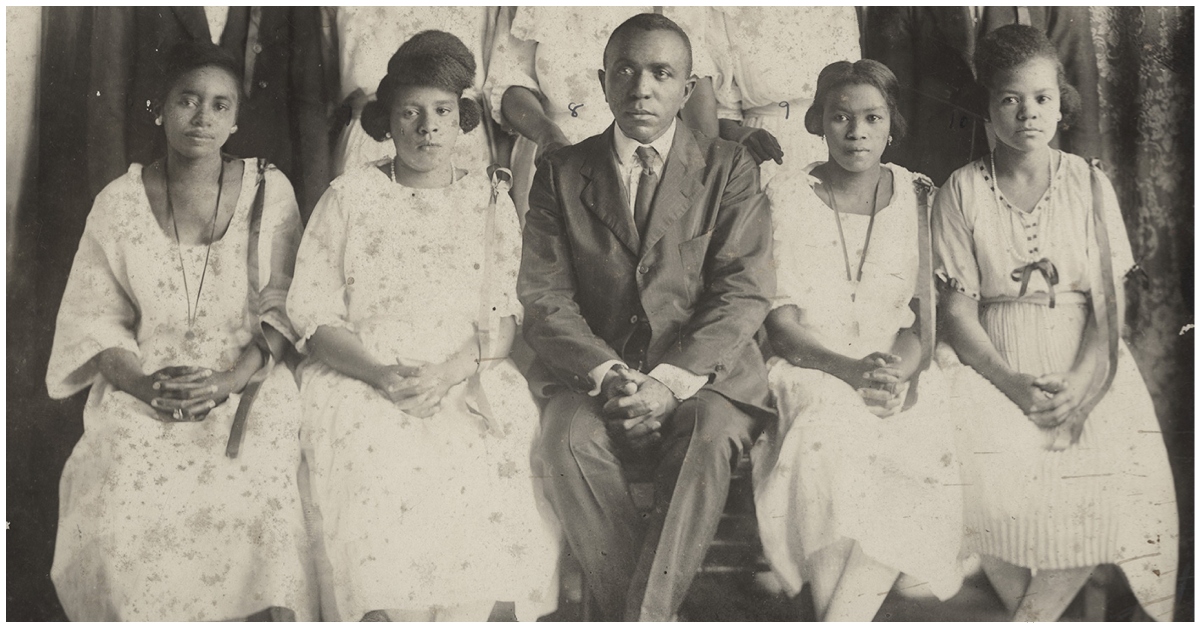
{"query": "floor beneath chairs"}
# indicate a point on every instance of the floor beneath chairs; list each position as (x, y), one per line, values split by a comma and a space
(738, 597)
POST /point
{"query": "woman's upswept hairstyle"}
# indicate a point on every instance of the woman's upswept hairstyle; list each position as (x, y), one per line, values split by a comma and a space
(1014, 45)
(192, 55)
(428, 59)
(864, 72)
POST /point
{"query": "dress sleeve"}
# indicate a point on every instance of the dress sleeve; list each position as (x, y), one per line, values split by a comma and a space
(507, 259)
(279, 237)
(695, 22)
(513, 61)
(1118, 237)
(318, 292)
(729, 95)
(98, 311)
(953, 245)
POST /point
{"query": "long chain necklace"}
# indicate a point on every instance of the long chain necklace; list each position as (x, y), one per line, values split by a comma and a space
(212, 232)
(857, 278)
(1014, 249)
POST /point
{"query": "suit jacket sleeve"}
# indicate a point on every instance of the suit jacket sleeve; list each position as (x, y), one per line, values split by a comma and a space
(1069, 28)
(738, 274)
(554, 326)
(890, 41)
(111, 76)
(308, 93)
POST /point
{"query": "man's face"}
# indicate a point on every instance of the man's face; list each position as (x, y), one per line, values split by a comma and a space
(646, 81)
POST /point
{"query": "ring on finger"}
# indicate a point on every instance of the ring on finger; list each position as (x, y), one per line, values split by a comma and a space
(177, 414)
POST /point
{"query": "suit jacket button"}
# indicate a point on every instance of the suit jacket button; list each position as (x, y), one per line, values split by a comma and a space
(643, 269)
(633, 319)
(257, 48)
(262, 84)
(718, 368)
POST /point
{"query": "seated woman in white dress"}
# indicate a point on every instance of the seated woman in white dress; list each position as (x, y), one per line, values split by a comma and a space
(858, 483)
(1060, 475)
(418, 428)
(180, 502)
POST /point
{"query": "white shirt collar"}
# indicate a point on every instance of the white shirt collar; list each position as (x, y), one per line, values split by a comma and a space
(626, 146)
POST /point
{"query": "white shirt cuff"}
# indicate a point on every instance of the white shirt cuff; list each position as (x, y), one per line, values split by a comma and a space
(597, 374)
(682, 382)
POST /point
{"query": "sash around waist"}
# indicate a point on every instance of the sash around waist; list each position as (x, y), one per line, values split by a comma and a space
(1041, 298)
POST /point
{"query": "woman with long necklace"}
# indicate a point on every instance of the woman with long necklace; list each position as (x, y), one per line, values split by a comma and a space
(180, 502)
(858, 482)
(1065, 467)
(418, 429)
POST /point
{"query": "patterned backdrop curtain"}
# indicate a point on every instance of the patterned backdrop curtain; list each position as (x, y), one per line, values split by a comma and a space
(1146, 62)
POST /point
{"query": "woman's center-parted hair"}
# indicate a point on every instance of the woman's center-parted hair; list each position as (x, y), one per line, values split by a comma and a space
(428, 59)
(1012, 46)
(865, 72)
(189, 56)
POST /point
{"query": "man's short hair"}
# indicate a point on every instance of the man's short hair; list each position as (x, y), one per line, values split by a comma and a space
(647, 22)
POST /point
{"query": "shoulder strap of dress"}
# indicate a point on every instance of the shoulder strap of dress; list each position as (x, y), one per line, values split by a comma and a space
(925, 288)
(1104, 296)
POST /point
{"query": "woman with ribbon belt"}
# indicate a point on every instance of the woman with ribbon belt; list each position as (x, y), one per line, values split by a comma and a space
(858, 482)
(1064, 461)
(180, 502)
(418, 429)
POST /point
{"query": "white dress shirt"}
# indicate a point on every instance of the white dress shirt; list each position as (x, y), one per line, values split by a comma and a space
(217, 18)
(682, 382)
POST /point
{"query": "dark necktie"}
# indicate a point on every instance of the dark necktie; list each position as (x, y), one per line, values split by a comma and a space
(646, 186)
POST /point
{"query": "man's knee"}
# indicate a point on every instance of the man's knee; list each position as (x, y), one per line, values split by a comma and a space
(572, 430)
(712, 425)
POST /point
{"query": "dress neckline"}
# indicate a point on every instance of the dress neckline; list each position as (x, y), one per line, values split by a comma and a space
(244, 200)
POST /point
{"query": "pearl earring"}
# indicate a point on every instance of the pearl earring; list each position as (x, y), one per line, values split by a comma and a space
(889, 140)
(158, 121)
(388, 135)
(233, 130)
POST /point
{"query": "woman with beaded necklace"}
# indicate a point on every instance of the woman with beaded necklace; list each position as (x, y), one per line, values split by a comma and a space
(1064, 463)
(180, 502)
(418, 429)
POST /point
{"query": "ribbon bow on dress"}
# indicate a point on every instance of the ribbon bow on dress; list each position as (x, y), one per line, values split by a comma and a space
(1044, 266)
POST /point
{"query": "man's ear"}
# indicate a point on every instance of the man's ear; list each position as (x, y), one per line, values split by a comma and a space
(689, 87)
(600, 75)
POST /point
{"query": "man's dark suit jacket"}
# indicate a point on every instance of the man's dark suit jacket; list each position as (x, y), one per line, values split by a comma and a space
(282, 116)
(700, 281)
(930, 49)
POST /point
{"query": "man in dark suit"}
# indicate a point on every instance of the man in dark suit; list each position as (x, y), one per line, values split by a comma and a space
(645, 273)
(282, 115)
(930, 49)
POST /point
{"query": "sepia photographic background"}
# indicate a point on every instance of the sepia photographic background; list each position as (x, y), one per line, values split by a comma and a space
(1145, 63)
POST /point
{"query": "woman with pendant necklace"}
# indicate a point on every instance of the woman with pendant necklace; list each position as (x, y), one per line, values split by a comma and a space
(174, 316)
(858, 482)
(1032, 252)
(418, 429)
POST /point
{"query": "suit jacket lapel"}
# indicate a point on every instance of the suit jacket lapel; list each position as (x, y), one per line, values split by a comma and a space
(194, 22)
(603, 194)
(680, 180)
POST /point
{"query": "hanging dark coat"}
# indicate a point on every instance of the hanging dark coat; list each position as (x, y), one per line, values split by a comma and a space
(282, 117)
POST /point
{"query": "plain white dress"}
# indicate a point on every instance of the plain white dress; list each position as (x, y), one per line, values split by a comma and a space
(831, 470)
(1108, 499)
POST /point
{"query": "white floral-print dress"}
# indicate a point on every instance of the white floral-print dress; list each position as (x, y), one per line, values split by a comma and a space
(418, 513)
(155, 522)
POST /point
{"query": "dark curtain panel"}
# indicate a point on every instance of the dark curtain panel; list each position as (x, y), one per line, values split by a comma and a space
(1146, 60)
(41, 432)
